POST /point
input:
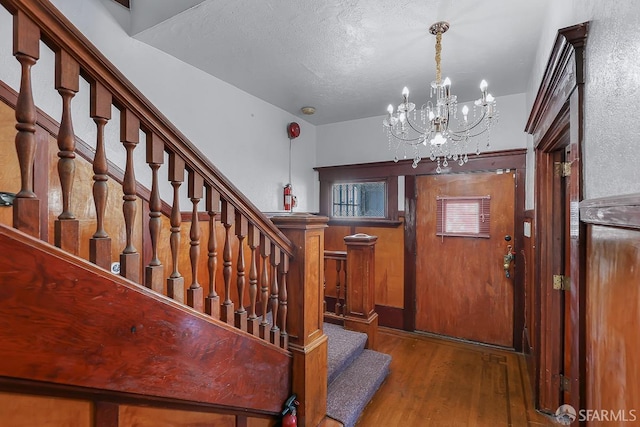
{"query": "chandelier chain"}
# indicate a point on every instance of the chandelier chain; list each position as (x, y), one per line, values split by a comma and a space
(438, 51)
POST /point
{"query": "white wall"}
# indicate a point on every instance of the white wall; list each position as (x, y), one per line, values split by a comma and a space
(612, 90)
(243, 136)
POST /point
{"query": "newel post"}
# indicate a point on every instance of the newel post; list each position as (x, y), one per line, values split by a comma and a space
(360, 312)
(307, 340)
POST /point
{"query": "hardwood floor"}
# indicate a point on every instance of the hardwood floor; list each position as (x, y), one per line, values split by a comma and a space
(438, 382)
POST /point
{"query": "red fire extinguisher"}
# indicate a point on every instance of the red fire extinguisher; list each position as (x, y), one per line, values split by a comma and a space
(289, 418)
(290, 201)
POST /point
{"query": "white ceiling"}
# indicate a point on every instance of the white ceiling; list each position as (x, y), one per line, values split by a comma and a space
(347, 58)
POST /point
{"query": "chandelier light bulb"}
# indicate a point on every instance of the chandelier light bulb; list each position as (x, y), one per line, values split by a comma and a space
(438, 139)
(437, 120)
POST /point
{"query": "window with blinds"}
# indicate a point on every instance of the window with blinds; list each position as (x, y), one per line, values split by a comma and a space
(463, 216)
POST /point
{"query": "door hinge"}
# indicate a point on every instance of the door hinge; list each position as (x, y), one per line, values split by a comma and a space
(563, 169)
(561, 282)
(565, 383)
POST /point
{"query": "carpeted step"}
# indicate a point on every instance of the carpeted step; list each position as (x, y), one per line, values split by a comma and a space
(343, 348)
(350, 392)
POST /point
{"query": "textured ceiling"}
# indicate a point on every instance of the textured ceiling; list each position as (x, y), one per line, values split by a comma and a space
(347, 58)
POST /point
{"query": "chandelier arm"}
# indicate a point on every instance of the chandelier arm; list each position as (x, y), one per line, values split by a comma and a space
(473, 125)
(410, 140)
(416, 128)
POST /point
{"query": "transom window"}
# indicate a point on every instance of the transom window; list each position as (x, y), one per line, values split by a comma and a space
(359, 199)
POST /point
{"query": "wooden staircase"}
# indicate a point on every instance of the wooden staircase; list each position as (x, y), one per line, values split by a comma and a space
(184, 324)
(216, 313)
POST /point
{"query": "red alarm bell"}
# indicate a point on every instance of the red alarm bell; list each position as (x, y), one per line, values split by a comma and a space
(293, 130)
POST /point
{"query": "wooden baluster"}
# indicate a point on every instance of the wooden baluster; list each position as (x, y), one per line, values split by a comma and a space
(67, 82)
(100, 111)
(338, 308)
(344, 287)
(265, 252)
(26, 49)
(241, 232)
(212, 302)
(175, 282)
(194, 293)
(282, 310)
(154, 272)
(253, 323)
(324, 285)
(227, 218)
(130, 136)
(274, 336)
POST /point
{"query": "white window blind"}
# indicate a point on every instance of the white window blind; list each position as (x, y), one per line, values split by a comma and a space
(463, 216)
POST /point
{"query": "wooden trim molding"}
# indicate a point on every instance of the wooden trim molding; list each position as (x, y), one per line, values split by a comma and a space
(507, 159)
(556, 123)
(560, 78)
(124, 3)
(618, 211)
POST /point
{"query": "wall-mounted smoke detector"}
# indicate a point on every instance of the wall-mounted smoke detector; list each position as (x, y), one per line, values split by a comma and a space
(308, 110)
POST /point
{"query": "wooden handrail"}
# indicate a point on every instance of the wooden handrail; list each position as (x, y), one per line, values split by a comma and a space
(59, 33)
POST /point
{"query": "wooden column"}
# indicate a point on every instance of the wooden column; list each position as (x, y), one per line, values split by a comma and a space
(100, 243)
(360, 294)
(67, 82)
(212, 302)
(307, 341)
(26, 49)
(253, 322)
(227, 217)
(195, 292)
(242, 228)
(130, 136)
(154, 272)
(175, 282)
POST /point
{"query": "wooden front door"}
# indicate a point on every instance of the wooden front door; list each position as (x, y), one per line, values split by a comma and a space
(461, 287)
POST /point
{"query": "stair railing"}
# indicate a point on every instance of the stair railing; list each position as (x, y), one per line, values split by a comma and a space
(246, 229)
(338, 261)
(355, 286)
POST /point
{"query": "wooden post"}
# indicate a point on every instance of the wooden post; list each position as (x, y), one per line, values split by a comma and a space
(26, 48)
(360, 294)
(307, 341)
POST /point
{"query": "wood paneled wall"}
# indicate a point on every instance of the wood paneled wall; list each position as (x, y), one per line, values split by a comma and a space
(23, 410)
(613, 319)
(612, 305)
(10, 170)
(389, 273)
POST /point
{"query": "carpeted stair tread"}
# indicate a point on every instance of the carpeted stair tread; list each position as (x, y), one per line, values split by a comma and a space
(343, 348)
(350, 392)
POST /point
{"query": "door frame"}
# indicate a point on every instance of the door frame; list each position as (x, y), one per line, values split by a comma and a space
(556, 121)
(515, 160)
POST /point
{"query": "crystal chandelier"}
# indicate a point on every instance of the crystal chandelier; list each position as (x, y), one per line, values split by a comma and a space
(432, 126)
